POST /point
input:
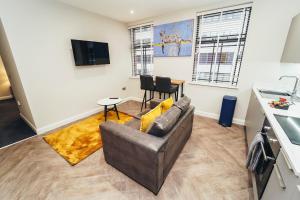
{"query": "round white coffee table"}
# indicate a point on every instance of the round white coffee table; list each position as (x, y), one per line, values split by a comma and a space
(109, 102)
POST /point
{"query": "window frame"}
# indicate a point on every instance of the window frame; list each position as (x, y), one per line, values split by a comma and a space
(144, 49)
(239, 49)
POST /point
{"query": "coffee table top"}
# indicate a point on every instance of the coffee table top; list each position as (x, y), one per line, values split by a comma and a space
(108, 101)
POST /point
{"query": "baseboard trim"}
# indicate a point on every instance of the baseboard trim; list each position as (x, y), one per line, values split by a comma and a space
(28, 122)
(66, 121)
(201, 113)
(72, 119)
(6, 97)
(133, 99)
(239, 121)
(216, 116)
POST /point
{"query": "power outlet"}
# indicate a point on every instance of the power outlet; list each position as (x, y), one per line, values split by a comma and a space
(124, 88)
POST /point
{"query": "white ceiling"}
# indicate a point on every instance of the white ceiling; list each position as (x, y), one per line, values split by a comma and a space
(120, 9)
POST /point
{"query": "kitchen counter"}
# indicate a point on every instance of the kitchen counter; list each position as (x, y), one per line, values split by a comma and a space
(290, 151)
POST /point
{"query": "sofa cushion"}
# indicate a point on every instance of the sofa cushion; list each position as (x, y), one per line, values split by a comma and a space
(148, 118)
(166, 105)
(164, 123)
(183, 104)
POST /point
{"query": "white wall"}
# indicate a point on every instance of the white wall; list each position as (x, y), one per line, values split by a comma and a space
(4, 83)
(39, 34)
(15, 79)
(268, 29)
(54, 90)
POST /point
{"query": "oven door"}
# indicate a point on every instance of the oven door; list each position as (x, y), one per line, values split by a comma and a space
(271, 149)
(264, 169)
(271, 137)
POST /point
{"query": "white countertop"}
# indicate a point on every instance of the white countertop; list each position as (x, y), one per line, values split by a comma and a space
(291, 151)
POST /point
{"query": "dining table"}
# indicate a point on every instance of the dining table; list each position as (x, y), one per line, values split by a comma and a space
(180, 83)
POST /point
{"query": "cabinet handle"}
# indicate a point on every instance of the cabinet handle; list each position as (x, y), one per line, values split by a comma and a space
(287, 161)
(279, 177)
(267, 128)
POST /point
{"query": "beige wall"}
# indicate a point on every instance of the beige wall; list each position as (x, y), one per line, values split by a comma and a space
(4, 83)
(268, 29)
(39, 33)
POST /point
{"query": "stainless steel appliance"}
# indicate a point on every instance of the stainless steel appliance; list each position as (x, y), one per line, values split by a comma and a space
(291, 127)
(271, 148)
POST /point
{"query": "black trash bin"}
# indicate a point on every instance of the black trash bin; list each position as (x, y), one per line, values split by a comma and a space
(227, 110)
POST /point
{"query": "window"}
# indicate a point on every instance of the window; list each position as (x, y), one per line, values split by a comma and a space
(220, 43)
(142, 50)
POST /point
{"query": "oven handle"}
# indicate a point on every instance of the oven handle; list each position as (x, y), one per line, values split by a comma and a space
(279, 177)
(264, 153)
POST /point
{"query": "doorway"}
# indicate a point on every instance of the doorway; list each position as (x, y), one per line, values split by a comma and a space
(12, 127)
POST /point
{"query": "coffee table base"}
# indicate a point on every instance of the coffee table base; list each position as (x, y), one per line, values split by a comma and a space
(106, 110)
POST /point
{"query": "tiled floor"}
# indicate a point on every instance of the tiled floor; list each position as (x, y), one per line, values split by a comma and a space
(12, 127)
(211, 167)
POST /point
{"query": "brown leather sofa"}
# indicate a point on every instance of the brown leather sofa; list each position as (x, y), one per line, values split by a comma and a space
(145, 158)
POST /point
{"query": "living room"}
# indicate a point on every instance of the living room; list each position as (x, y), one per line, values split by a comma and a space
(54, 93)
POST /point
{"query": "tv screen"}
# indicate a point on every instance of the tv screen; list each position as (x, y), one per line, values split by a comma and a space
(90, 53)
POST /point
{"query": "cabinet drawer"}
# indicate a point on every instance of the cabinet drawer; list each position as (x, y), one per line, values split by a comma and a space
(282, 182)
(288, 175)
(296, 195)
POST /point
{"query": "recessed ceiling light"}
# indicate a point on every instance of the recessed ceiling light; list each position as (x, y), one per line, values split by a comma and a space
(131, 11)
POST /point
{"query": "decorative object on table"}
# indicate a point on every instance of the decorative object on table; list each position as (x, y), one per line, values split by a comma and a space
(173, 39)
(77, 141)
(281, 103)
(110, 102)
(227, 110)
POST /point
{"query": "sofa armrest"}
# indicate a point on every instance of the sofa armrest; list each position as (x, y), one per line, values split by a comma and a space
(138, 155)
(155, 102)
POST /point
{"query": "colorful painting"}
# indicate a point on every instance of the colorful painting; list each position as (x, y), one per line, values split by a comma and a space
(173, 39)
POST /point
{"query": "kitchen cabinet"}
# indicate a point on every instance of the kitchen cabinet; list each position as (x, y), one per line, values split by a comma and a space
(254, 119)
(292, 45)
(282, 183)
(296, 194)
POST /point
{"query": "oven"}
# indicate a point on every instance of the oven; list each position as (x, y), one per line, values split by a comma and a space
(271, 148)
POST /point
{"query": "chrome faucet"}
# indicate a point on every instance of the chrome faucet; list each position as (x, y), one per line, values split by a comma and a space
(295, 85)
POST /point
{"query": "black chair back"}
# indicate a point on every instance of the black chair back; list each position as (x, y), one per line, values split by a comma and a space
(163, 84)
(147, 82)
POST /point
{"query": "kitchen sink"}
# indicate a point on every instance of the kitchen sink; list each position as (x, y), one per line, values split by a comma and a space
(272, 94)
(291, 127)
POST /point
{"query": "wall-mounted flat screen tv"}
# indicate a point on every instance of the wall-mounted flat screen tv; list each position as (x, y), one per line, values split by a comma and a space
(90, 53)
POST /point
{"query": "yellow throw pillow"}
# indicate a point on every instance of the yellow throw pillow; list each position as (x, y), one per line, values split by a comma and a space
(148, 118)
(166, 104)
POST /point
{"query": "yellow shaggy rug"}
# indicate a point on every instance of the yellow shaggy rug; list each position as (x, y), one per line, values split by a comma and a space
(79, 140)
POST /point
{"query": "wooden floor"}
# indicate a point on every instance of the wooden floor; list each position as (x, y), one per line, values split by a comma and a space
(211, 167)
